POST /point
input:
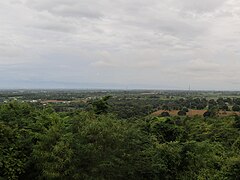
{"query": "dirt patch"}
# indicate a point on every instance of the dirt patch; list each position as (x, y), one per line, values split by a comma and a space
(193, 112)
(228, 113)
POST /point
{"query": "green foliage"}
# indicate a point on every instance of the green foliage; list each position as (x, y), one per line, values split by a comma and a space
(165, 114)
(185, 109)
(232, 168)
(107, 148)
(101, 106)
(38, 143)
(236, 108)
(165, 129)
(182, 113)
(13, 158)
(52, 152)
(210, 113)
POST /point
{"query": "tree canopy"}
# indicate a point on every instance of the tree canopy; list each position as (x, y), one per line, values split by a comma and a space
(39, 143)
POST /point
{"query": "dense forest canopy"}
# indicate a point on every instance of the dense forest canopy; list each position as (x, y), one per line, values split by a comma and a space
(38, 142)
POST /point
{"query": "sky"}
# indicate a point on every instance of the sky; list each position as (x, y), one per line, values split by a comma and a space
(119, 44)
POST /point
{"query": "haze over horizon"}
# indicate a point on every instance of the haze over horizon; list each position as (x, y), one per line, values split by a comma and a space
(138, 44)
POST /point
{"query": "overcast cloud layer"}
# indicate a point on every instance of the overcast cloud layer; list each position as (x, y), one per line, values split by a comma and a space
(165, 44)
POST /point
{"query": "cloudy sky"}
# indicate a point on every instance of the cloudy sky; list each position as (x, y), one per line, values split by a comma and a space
(163, 44)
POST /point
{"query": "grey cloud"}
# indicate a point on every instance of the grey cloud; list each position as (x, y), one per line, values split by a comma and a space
(76, 11)
(71, 8)
(54, 26)
(203, 66)
(203, 6)
(168, 43)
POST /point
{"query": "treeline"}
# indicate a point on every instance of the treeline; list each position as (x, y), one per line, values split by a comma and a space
(135, 107)
(225, 104)
(39, 143)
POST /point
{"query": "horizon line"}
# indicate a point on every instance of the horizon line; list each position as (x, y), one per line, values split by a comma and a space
(119, 89)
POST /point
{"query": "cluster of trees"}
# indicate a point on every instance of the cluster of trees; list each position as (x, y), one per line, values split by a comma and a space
(131, 104)
(178, 104)
(224, 104)
(129, 108)
(39, 143)
(136, 106)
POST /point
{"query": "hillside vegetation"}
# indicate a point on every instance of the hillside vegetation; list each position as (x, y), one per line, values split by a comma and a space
(39, 143)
